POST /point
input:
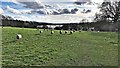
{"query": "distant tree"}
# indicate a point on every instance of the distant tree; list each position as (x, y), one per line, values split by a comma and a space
(88, 11)
(3, 17)
(66, 11)
(109, 11)
(80, 3)
(73, 11)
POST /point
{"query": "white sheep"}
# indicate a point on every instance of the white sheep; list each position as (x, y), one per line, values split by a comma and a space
(52, 32)
(41, 31)
(71, 32)
(60, 32)
(92, 29)
(98, 31)
(19, 36)
(65, 32)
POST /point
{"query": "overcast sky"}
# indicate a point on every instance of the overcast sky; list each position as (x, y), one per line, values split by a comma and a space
(40, 0)
(52, 0)
(57, 0)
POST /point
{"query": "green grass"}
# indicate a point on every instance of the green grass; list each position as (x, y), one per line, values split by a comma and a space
(77, 49)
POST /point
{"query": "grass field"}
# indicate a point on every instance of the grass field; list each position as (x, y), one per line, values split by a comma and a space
(77, 49)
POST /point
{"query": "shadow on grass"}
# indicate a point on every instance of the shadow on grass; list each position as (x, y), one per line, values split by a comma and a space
(13, 41)
(113, 42)
(50, 35)
(37, 34)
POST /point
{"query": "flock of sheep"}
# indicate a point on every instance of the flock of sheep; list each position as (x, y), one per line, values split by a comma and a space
(61, 32)
(19, 36)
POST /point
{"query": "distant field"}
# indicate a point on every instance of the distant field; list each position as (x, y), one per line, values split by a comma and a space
(77, 49)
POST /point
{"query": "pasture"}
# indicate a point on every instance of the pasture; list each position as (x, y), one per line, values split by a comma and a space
(43, 49)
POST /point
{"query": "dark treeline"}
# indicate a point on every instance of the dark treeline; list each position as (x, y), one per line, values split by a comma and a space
(98, 26)
(19, 23)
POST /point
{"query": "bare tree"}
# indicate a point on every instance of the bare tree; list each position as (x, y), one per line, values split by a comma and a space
(109, 11)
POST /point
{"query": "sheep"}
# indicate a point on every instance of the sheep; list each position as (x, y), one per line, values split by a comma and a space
(41, 31)
(91, 29)
(71, 32)
(98, 31)
(52, 32)
(60, 32)
(19, 36)
(65, 32)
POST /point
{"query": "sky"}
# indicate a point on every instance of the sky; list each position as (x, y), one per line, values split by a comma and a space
(23, 14)
(58, 0)
(52, 0)
(39, 0)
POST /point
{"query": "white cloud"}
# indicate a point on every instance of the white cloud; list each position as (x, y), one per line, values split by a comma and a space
(52, 18)
(111, 0)
(1, 11)
(13, 10)
(18, 11)
(14, 1)
(21, 17)
(83, 0)
(97, 1)
(47, 0)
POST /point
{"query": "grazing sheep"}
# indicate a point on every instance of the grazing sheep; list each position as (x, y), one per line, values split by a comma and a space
(98, 31)
(91, 29)
(52, 32)
(60, 32)
(19, 36)
(71, 32)
(41, 31)
(65, 32)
